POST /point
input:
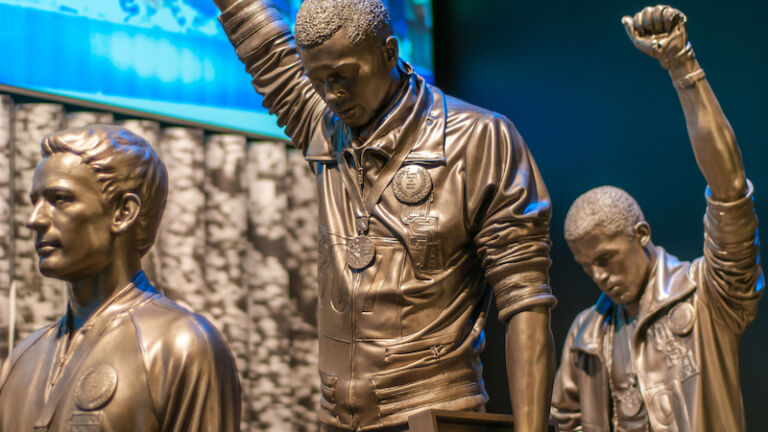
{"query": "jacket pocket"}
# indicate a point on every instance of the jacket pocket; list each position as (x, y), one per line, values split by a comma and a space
(667, 408)
(431, 348)
(85, 421)
(328, 392)
(399, 391)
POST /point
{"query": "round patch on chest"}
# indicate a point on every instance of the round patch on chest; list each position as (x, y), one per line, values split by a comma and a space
(96, 387)
(411, 184)
(681, 319)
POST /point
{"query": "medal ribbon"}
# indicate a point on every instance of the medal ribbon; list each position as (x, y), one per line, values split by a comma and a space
(363, 201)
(627, 369)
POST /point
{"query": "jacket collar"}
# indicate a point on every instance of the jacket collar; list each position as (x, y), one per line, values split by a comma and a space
(589, 338)
(668, 283)
(417, 102)
(123, 299)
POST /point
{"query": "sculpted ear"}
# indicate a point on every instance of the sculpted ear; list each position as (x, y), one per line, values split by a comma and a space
(642, 233)
(391, 50)
(126, 212)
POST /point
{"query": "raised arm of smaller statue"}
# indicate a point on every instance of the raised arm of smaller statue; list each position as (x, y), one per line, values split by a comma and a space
(264, 44)
(731, 278)
(660, 32)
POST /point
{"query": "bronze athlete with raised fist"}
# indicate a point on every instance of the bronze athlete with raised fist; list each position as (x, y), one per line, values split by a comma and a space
(659, 349)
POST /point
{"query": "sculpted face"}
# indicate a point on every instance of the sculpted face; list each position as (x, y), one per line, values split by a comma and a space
(618, 263)
(72, 223)
(355, 81)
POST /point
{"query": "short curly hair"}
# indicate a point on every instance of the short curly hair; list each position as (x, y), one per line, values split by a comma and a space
(122, 162)
(607, 207)
(318, 20)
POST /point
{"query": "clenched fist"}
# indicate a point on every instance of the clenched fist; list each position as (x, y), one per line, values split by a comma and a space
(660, 32)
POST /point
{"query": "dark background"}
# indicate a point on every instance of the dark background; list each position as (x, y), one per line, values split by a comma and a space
(596, 111)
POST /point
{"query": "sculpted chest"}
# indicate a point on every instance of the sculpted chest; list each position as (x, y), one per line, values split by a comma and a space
(101, 386)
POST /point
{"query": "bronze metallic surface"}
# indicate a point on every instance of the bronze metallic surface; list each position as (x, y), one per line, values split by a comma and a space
(123, 357)
(688, 317)
(404, 333)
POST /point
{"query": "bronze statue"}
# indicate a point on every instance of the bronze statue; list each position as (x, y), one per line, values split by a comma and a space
(659, 349)
(425, 201)
(123, 357)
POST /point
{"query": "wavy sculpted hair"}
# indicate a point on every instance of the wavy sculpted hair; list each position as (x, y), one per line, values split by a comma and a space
(122, 162)
(607, 207)
(318, 20)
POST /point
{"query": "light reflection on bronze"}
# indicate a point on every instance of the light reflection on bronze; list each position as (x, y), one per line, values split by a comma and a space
(403, 332)
(123, 357)
(659, 350)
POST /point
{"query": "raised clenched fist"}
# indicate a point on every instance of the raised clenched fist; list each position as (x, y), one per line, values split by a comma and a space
(660, 32)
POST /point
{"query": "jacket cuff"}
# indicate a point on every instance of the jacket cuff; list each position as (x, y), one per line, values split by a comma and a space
(731, 222)
(522, 291)
(250, 25)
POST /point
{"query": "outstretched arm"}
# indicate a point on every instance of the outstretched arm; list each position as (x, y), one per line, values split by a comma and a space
(732, 281)
(264, 43)
(660, 32)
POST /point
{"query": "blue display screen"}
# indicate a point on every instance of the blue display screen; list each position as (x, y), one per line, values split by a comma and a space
(163, 57)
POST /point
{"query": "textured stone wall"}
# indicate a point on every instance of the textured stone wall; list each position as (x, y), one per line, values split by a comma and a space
(181, 240)
(6, 116)
(39, 300)
(225, 223)
(85, 118)
(301, 261)
(268, 301)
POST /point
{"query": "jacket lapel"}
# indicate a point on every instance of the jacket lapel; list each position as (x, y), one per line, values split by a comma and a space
(668, 283)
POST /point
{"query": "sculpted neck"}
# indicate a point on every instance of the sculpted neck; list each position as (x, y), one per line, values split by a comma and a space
(88, 293)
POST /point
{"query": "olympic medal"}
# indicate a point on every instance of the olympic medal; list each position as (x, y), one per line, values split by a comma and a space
(360, 252)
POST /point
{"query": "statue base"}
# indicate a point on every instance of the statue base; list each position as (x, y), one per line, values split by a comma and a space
(464, 421)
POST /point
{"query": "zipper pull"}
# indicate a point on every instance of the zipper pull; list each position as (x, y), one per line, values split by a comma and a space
(360, 176)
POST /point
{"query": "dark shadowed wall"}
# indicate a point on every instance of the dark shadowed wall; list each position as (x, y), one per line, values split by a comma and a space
(595, 111)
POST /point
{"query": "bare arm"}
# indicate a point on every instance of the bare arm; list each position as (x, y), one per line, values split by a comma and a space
(530, 367)
(660, 32)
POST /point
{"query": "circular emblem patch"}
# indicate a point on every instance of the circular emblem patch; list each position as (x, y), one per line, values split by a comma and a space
(96, 387)
(681, 319)
(411, 184)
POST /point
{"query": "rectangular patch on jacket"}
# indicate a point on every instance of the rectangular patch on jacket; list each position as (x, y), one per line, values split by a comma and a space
(85, 422)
